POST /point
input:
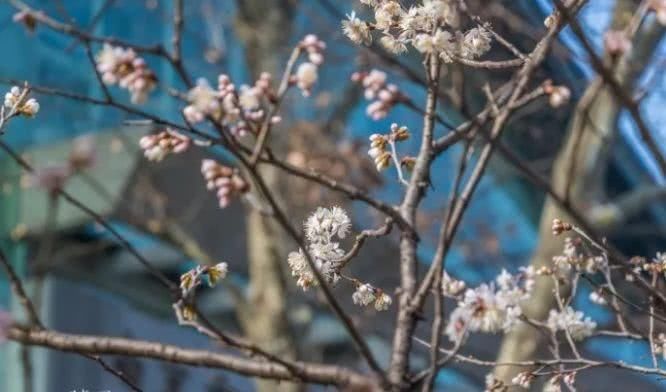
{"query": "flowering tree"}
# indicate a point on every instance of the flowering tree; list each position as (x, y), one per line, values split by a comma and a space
(528, 305)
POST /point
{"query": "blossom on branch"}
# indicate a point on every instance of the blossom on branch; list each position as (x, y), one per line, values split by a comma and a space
(18, 103)
(226, 181)
(431, 28)
(366, 294)
(384, 96)
(491, 307)
(356, 30)
(572, 321)
(125, 68)
(158, 146)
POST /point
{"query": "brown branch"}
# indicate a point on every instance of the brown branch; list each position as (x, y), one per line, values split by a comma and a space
(418, 182)
(360, 240)
(88, 344)
(282, 90)
(359, 343)
(33, 318)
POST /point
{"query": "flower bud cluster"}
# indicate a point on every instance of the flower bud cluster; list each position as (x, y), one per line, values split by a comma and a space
(557, 95)
(491, 307)
(239, 109)
(383, 96)
(125, 68)
(380, 142)
(157, 146)
(193, 278)
(307, 72)
(225, 180)
(18, 103)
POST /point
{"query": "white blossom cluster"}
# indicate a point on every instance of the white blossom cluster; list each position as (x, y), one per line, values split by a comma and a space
(366, 294)
(125, 68)
(18, 103)
(572, 321)
(383, 96)
(225, 180)
(322, 228)
(380, 142)
(491, 307)
(431, 28)
(157, 146)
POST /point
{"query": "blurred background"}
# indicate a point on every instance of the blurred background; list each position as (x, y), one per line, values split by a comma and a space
(83, 281)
